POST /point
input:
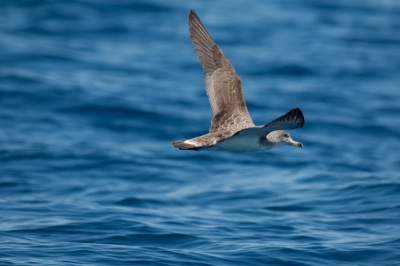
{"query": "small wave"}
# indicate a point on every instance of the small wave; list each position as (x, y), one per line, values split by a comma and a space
(289, 208)
(162, 240)
(136, 202)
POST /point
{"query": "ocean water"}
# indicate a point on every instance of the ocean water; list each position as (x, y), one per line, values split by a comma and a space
(92, 93)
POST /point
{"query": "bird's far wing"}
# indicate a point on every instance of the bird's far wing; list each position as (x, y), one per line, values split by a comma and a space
(291, 120)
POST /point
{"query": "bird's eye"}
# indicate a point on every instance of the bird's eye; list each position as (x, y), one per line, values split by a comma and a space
(286, 135)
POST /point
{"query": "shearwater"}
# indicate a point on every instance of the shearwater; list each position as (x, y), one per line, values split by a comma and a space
(232, 128)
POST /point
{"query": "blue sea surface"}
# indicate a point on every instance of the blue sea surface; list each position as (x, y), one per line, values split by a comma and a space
(93, 92)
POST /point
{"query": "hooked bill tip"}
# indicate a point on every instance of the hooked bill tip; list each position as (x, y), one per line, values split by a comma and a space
(295, 143)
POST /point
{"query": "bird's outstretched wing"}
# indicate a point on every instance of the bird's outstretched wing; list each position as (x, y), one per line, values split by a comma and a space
(291, 120)
(223, 85)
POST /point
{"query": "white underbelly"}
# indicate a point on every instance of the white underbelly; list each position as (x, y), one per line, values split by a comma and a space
(238, 143)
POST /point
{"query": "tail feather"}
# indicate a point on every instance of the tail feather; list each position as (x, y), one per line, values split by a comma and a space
(184, 146)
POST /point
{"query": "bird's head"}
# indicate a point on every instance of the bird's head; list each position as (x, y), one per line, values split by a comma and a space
(281, 137)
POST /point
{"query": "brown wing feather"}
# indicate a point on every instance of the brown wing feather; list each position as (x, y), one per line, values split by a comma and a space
(233, 116)
(223, 85)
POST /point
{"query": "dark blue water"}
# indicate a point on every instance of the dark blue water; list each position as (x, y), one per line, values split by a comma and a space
(92, 93)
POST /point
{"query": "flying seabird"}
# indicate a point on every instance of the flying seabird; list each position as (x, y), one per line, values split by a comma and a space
(232, 128)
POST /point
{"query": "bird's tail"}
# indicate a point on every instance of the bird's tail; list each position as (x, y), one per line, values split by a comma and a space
(180, 144)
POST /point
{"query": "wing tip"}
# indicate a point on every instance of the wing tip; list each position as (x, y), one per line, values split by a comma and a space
(192, 14)
(300, 116)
